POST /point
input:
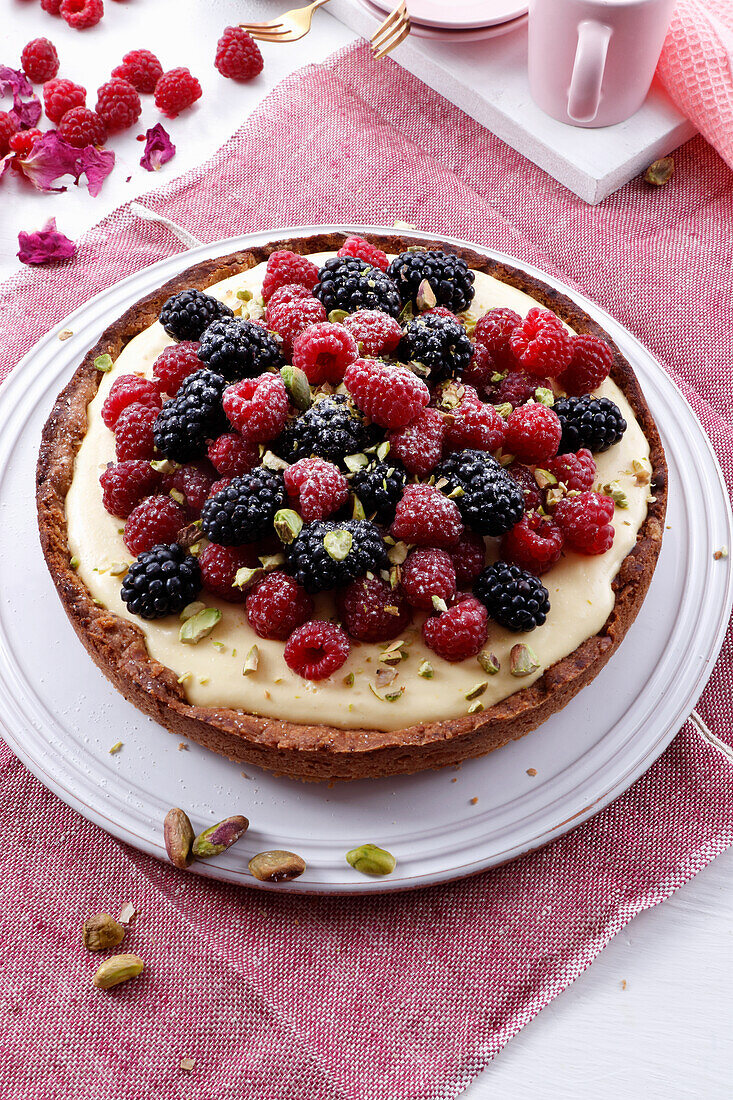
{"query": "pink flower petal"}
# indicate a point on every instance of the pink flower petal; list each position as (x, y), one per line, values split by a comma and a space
(26, 104)
(27, 113)
(159, 148)
(51, 158)
(96, 164)
(5, 163)
(44, 245)
(15, 82)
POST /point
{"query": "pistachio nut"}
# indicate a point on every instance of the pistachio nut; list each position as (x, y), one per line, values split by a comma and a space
(287, 524)
(371, 860)
(276, 866)
(425, 297)
(199, 625)
(104, 363)
(101, 931)
(337, 544)
(120, 968)
(298, 387)
(489, 662)
(522, 660)
(179, 836)
(660, 172)
(217, 838)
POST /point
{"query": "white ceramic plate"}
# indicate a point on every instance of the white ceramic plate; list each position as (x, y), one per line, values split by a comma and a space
(451, 32)
(459, 14)
(61, 716)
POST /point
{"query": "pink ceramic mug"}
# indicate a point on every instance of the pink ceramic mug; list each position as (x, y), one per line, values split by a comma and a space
(591, 62)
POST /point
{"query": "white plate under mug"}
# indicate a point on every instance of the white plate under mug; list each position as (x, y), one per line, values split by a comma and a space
(459, 14)
(452, 33)
(61, 716)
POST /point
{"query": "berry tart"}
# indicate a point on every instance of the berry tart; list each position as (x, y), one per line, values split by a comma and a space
(347, 508)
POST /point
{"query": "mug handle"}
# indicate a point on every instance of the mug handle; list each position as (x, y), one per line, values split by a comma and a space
(584, 96)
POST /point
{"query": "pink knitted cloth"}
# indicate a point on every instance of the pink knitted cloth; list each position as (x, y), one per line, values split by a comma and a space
(403, 997)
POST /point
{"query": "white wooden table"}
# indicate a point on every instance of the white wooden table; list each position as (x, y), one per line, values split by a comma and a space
(651, 1015)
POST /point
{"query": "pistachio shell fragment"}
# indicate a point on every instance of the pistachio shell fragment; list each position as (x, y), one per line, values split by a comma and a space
(217, 838)
(101, 931)
(199, 625)
(371, 860)
(276, 866)
(522, 660)
(120, 968)
(179, 837)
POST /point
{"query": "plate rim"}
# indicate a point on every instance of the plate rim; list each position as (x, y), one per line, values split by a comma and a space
(473, 24)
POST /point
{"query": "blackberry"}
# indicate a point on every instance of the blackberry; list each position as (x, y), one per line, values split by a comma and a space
(239, 349)
(379, 488)
(438, 343)
(243, 510)
(331, 429)
(327, 554)
(185, 315)
(346, 282)
(491, 502)
(192, 417)
(161, 582)
(513, 597)
(592, 422)
(450, 278)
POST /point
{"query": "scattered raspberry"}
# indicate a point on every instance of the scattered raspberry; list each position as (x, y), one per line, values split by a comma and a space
(222, 483)
(479, 371)
(81, 14)
(428, 573)
(443, 311)
(231, 455)
(129, 389)
(81, 127)
(257, 407)
(419, 446)
(375, 332)
(238, 55)
(585, 521)
(174, 364)
(219, 567)
(469, 558)
(285, 268)
(292, 318)
(517, 388)
(323, 352)
(390, 396)
(175, 91)
(316, 649)
(318, 487)
(527, 482)
(39, 60)
(475, 426)
(140, 68)
(125, 484)
(59, 96)
(372, 611)
(533, 433)
(53, 7)
(576, 471)
(291, 292)
(157, 519)
(493, 332)
(535, 543)
(357, 246)
(118, 104)
(541, 343)
(277, 605)
(22, 141)
(459, 632)
(425, 517)
(193, 482)
(8, 127)
(590, 365)
(134, 432)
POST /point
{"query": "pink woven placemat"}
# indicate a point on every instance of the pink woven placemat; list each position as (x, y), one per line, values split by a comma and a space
(405, 996)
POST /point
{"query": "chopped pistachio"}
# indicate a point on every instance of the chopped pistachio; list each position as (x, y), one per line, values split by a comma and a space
(425, 297)
(273, 462)
(522, 660)
(426, 670)
(115, 748)
(191, 609)
(475, 707)
(336, 316)
(218, 645)
(438, 603)
(357, 508)
(119, 568)
(288, 525)
(477, 689)
(660, 172)
(163, 465)
(721, 554)
(244, 295)
(355, 462)
(385, 676)
(104, 363)
(457, 493)
(245, 577)
(544, 478)
(504, 410)
(271, 562)
(74, 562)
(186, 676)
(394, 576)
(298, 387)
(489, 662)
(395, 695)
(177, 495)
(199, 626)
(506, 460)
(397, 553)
(554, 496)
(371, 860)
(391, 609)
(383, 450)
(642, 470)
(338, 543)
(499, 376)
(544, 396)
(251, 661)
(349, 680)
(613, 490)
(66, 333)
(393, 654)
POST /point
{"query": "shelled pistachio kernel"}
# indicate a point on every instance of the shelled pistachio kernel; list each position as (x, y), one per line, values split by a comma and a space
(276, 866)
(120, 968)
(179, 837)
(371, 860)
(489, 662)
(199, 626)
(101, 931)
(217, 838)
(522, 660)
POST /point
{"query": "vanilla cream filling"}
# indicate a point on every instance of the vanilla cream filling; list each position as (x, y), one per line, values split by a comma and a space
(211, 672)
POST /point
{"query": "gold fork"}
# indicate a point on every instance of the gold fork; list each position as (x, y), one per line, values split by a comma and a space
(291, 25)
(391, 32)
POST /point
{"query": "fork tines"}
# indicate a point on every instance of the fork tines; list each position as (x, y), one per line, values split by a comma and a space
(391, 32)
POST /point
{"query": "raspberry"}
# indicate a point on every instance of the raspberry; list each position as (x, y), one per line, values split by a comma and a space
(192, 482)
(134, 432)
(357, 246)
(533, 433)
(590, 365)
(59, 96)
(527, 482)
(477, 426)
(516, 388)
(291, 292)
(585, 521)
(175, 91)
(53, 7)
(459, 632)
(219, 567)
(372, 611)
(81, 127)
(277, 605)
(222, 483)
(140, 68)
(493, 332)
(318, 487)
(419, 446)
(316, 649)
(390, 396)
(22, 141)
(428, 573)
(285, 268)
(231, 455)
(541, 343)
(323, 352)
(8, 127)
(576, 471)
(238, 55)
(292, 318)
(81, 14)
(469, 558)
(39, 60)
(174, 364)
(129, 389)
(124, 485)
(535, 543)
(375, 332)
(257, 407)
(118, 104)
(156, 520)
(425, 517)
(479, 371)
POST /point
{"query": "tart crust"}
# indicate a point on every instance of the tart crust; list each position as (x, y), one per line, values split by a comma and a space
(317, 752)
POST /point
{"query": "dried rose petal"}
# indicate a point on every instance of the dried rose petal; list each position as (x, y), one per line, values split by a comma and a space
(51, 157)
(26, 104)
(44, 245)
(15, 82)
(5, 163)
(159, 148)
(96, 164)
